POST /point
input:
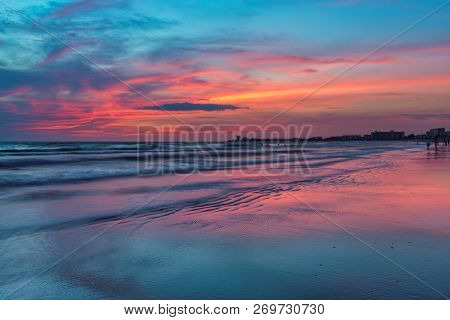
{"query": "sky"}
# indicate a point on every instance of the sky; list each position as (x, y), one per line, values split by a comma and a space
(98, 69)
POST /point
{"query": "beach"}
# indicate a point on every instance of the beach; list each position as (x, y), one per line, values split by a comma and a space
(367, 220)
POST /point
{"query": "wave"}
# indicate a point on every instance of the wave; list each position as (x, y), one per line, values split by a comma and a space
(230, 200)
(26, 149)
(83, 170)
(157, 155)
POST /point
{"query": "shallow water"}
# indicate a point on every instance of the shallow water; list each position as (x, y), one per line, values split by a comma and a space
(369, 221)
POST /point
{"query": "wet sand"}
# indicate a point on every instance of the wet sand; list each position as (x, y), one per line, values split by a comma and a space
(374, 226)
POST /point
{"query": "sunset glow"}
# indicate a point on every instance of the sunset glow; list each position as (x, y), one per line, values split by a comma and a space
(85, 69)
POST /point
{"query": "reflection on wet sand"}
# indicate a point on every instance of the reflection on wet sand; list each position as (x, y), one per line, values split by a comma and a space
(240, 236)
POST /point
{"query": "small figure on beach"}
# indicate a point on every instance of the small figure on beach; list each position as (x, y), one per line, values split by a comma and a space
(428, 144)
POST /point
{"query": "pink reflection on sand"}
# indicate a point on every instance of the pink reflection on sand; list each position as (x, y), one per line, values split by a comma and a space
(399, 191)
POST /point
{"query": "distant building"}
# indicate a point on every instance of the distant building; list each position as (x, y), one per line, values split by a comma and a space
(421, 136)
(438, 132)
(351, 137)
(388, 135)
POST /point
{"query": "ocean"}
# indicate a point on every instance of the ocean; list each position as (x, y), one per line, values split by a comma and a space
(328, 220)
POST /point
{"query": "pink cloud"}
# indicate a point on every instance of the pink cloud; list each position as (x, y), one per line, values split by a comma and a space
(79, 6)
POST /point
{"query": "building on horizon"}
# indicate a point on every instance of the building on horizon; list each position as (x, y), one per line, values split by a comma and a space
(388, 135)
(438, 132)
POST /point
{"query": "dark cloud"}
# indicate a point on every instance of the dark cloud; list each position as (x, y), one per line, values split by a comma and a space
(187, 106)
(51, 79)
